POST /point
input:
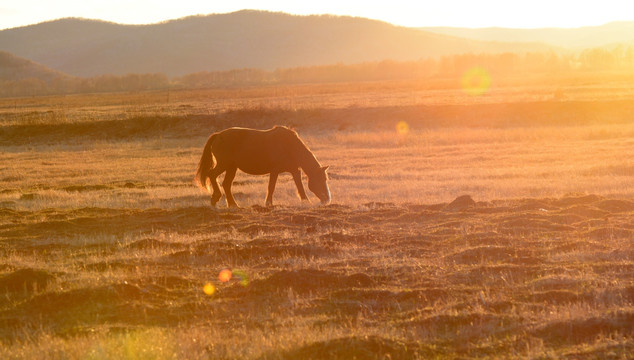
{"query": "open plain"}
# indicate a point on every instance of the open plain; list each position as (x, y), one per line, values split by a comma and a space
(461, 226)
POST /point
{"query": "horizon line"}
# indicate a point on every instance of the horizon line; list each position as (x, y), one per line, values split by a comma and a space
(308, 15)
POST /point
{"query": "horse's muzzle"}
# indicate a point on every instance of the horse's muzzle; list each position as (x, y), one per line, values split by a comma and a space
(324, 197)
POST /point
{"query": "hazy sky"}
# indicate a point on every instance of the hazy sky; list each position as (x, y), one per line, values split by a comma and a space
(469, 13)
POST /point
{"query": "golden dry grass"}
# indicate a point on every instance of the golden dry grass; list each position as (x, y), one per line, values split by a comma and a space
(106, 245)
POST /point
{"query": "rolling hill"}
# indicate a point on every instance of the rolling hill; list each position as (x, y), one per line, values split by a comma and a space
(16, 68)
(244, 39)
(582, 37)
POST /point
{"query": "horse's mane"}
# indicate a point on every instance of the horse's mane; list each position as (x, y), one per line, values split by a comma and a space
(300, 143)
(311, 164)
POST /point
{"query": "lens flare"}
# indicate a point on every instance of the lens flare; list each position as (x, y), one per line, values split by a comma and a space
(476, 81)
(225, 275)
(242, 277)
(402, 128)
(209, 289)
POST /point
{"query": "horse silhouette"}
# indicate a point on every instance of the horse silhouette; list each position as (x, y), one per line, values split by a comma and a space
(259, 152)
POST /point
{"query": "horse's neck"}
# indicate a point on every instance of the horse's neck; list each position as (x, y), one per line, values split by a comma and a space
(308, 162)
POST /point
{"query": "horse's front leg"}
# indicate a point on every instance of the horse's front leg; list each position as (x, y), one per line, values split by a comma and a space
(297, 176)
(269, 193)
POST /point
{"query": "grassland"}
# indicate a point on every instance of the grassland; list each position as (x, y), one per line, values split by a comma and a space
(106, 245)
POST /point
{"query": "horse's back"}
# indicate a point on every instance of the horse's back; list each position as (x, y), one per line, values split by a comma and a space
(255, 151)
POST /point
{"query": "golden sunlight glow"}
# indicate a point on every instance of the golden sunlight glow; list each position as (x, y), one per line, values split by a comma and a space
(476, 81)
(209, 289)
(225, 275)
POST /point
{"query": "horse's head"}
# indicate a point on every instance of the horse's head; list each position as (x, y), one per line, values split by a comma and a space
(318, 184)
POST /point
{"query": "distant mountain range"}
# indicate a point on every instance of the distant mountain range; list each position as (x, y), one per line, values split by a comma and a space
(582, 37)
(244, 39)
(264, 40)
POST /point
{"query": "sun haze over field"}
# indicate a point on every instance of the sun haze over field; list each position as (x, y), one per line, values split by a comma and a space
(481, 190)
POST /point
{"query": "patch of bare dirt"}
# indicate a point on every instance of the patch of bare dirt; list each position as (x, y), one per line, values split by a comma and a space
(557, 297)
(467, 326)
(586, 329)
(150, 243)
(615, 205)
(585, 211)
(381, 301)
(609, 232)
(68, 301)
(483, 254)
(26, 281)
(357, 347)
(463, 202)
(304, 281)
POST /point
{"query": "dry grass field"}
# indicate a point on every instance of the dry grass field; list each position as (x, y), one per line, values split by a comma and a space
(493, 226)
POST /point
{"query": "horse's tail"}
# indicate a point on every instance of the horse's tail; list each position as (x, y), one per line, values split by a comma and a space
(205, 165)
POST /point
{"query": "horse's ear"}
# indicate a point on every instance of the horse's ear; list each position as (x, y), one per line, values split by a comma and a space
(324, 168)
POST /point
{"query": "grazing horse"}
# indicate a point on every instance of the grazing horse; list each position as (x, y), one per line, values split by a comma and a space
(260, 152)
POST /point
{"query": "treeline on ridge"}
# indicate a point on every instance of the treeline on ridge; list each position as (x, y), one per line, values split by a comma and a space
(619, 58)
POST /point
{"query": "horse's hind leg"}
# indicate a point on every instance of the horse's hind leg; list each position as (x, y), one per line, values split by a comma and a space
(216, 195)
(226, 184)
